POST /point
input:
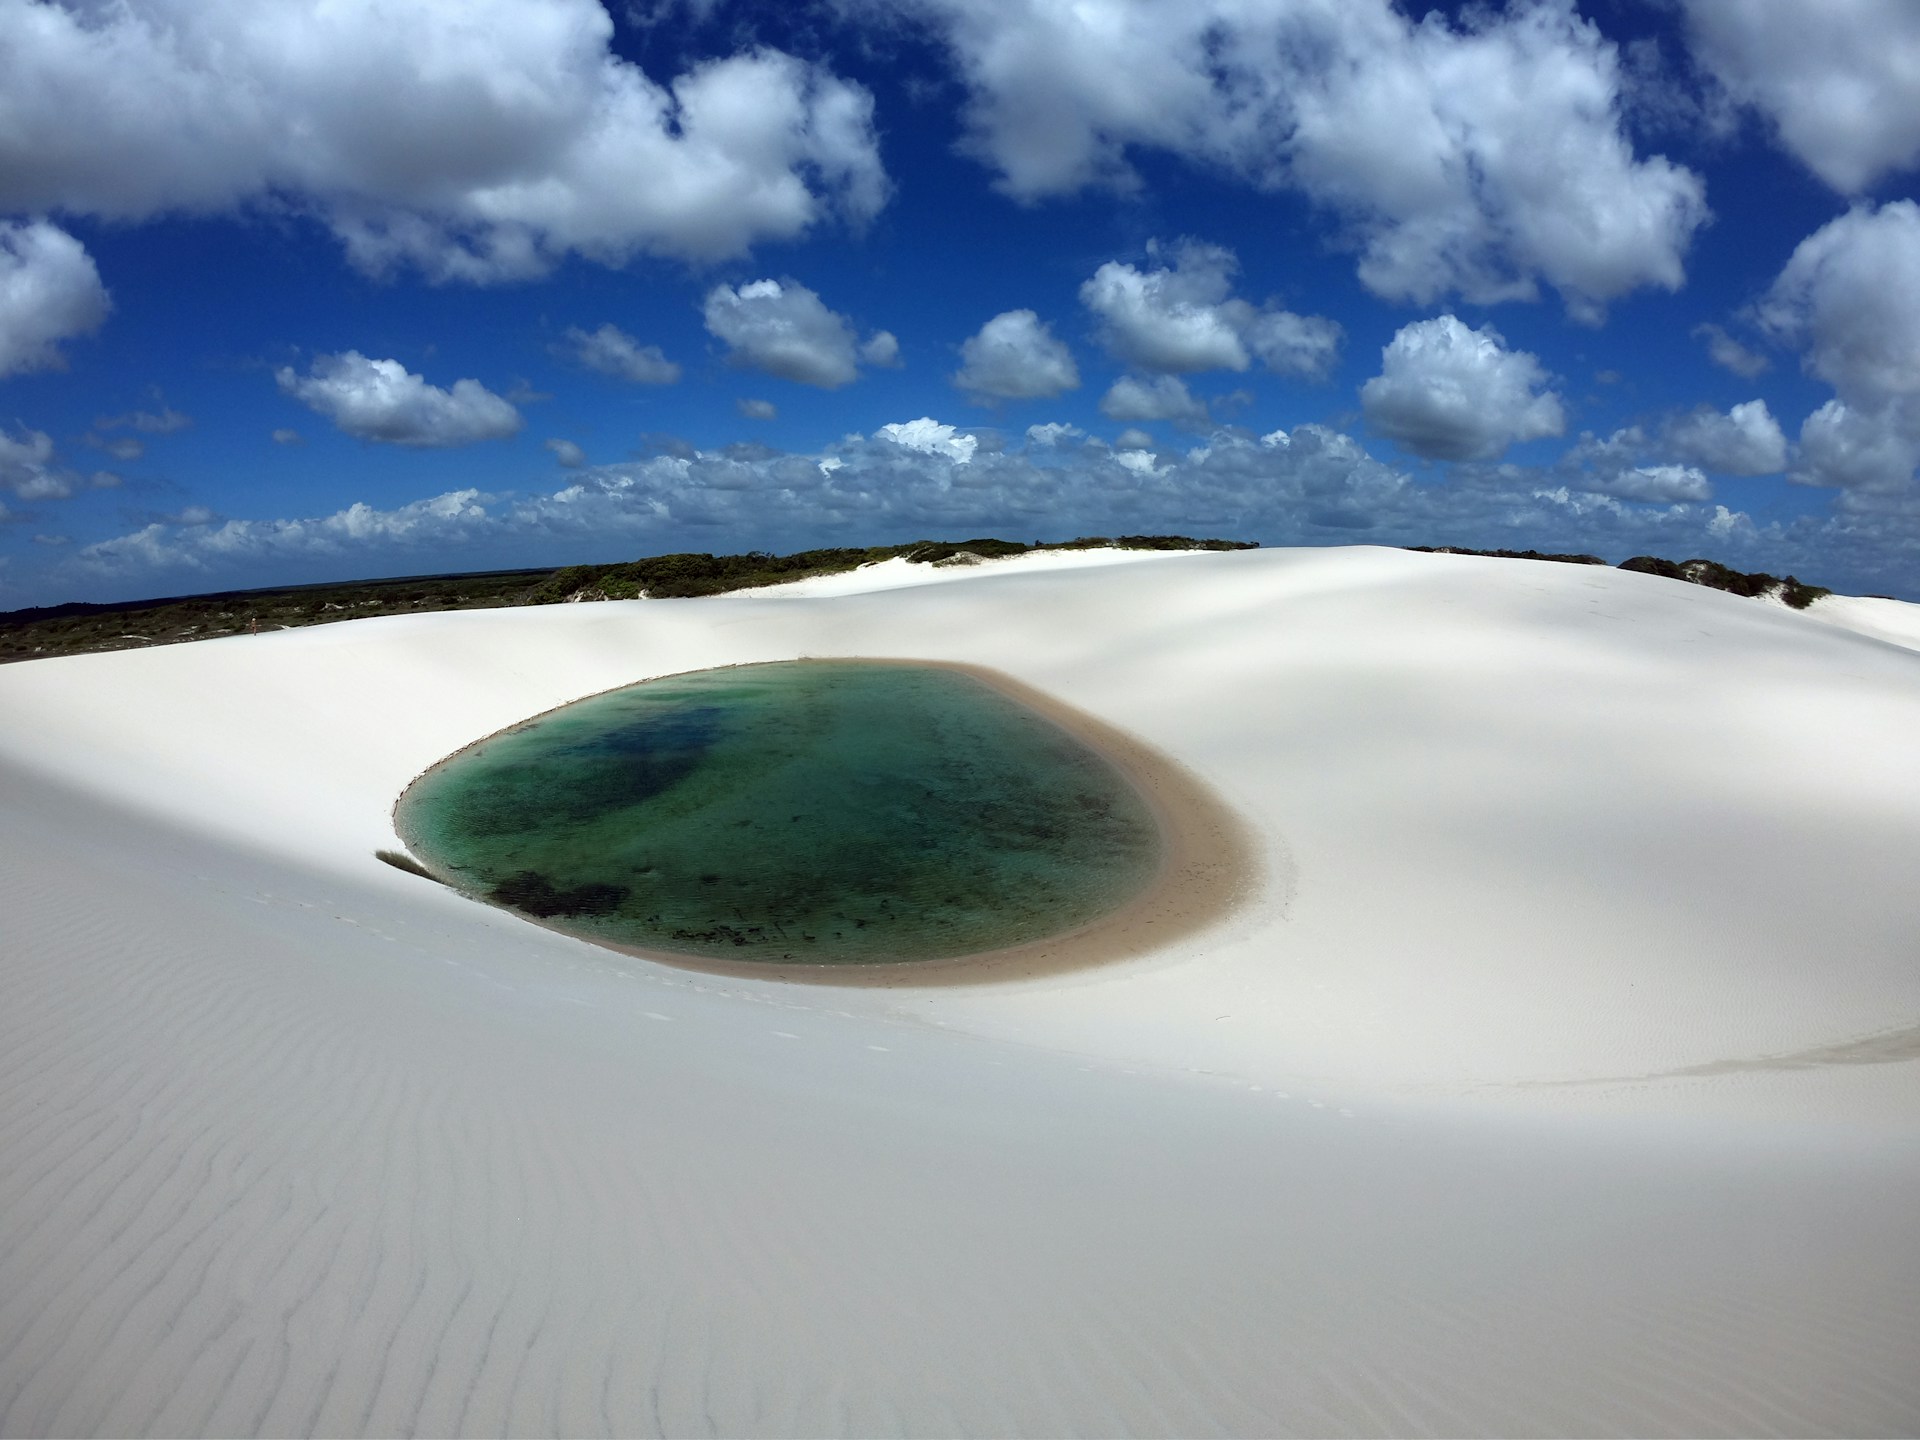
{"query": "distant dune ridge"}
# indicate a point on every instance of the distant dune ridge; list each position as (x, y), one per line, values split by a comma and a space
(1559, 1072)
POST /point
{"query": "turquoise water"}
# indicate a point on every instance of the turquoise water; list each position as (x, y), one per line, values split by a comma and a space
(809, 811)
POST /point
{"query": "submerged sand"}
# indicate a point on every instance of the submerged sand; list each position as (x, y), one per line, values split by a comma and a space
(1207, 868)
(1551, 1074)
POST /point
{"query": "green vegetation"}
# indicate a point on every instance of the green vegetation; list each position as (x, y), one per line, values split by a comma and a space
(79, 629)
(1557, 557)
(1711, 573)
(1717, 576)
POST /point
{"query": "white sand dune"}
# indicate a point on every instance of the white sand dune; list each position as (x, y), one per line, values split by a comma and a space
(1895, 621)
(1562, 1077)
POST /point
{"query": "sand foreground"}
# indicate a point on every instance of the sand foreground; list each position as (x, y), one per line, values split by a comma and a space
(1560, 1074)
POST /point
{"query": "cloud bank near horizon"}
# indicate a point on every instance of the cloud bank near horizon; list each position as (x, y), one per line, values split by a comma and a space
(927, 479)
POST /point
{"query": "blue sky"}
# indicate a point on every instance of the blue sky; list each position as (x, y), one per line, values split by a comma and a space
(293, 292)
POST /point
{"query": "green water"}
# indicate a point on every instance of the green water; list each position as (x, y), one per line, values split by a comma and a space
(810, 811)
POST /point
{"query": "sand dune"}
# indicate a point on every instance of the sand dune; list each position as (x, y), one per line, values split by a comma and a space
(1558, 1077)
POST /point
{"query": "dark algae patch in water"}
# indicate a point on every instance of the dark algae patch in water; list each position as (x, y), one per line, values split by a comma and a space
(806, 812)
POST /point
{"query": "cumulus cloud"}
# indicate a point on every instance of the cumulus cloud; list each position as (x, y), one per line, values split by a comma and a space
(1182, 318)
(1729, 354)
(1448, 392)
(1849, 300)
(611, 351)
(443, 520)
(25, 458)
(1656, 484)
(919, 477)
(478, 139)
(1141, 462)
(783, 328)
(1132, 439)
(566, 453)
(756, 409)
(1053, 433)
(1165, 397)
(881, 350)
(1858, 450)
(1625, 466)
(49, 291)
(29, 469)
(1839, 80)
(1479, 156)
(382, 400)
(928, 436)
(1304, 486)
(1744, 441)
(1015, 356)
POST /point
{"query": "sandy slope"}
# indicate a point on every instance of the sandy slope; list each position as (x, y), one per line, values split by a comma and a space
(1560, 1078)
(1895, 621)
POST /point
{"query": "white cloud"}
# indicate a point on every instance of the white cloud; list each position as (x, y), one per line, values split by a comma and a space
(1729, 354)
(29, 470)
(49, 290)
(1165, 397)
(25, 465)
(1169, 319)
(1015, 356)
(920, 477)
(1857, 450)
(1744, 441)
(1850, 296)
(612, 351)
(1140, 462)
(1656, 484)
(1480, 157)
(1053, 433)
(881, 350)
(929, 437)
(1183, 318)
(284, 436)
(1849, 299)
(382, 400)
(1620, 468)
(1290, 344)
(478, 139)
(1132, 439)
(182, 545)
(783, 329)
(1313, 485)
(1840, 79)
(569, 455)
(757, 409)
(1447, 392)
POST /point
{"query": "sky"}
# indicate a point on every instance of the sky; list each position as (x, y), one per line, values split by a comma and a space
(293, 292)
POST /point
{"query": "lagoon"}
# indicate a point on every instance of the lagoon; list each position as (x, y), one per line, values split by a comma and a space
(808, 812)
